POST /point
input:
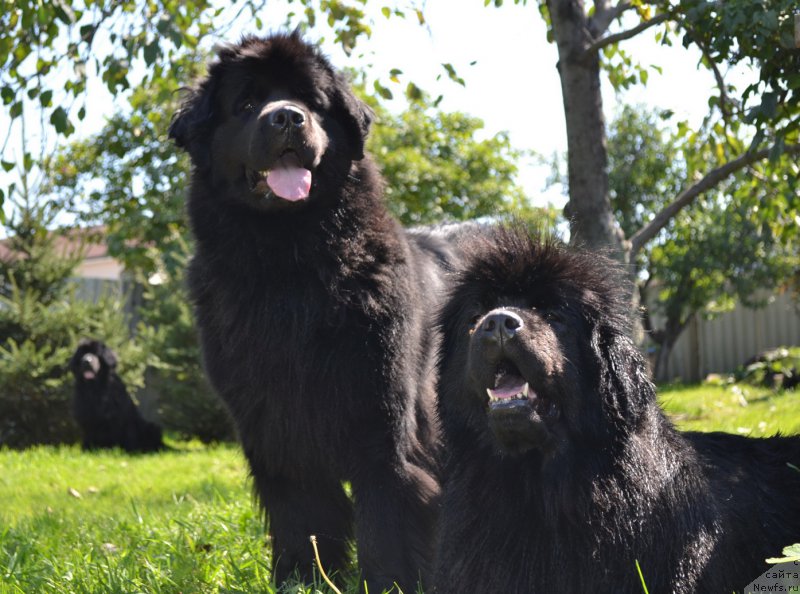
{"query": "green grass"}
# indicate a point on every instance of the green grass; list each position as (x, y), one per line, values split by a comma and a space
(184, 521)
(180, 521)
(737, 408)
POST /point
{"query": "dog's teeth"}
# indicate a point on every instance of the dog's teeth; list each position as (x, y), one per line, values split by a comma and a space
(525, 390)
(492, 397)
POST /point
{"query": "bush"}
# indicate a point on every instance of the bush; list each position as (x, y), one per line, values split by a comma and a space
(778, 368)
(186, 402)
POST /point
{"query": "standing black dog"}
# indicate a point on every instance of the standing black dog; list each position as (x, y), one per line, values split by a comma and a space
(314, 311)
(104, 411)
(563, 471)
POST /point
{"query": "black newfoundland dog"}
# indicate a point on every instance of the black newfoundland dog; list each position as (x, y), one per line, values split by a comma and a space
(563, 473)
(104, 411)
(314, 309)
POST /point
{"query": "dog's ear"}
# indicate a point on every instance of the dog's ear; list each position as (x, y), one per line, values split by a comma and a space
(356, 114)
(192, 123)
(107, 356)
(624, 383)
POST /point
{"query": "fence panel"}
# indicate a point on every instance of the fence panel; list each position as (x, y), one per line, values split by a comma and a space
(725, 342)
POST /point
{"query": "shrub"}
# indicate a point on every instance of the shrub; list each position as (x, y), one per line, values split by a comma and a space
(186, 402)
(778, 368)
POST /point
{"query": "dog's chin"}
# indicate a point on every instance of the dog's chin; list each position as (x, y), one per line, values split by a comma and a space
(520, 417)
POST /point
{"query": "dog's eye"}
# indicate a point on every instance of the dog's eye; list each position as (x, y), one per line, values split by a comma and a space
(473, 322)
(247, 106)
(553, 316)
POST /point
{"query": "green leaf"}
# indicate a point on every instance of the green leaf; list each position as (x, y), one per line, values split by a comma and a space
(7, 166)
(8, 95)
(46, 98)
(382, 91)
(451, 72)
(150, 52)
(60, 120)
(790, 553)
(413, 92)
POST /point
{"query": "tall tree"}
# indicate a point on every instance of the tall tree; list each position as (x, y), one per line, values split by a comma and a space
(727, 33)
(718, 250)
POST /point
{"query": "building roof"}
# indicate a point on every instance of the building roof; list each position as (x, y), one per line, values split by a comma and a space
(91, 240)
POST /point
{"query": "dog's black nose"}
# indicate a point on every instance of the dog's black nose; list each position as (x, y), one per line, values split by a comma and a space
(287, 117)
(500, 325)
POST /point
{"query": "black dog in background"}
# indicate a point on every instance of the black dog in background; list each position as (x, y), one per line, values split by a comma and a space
(563, 471)
(315, 311)
(104, 411)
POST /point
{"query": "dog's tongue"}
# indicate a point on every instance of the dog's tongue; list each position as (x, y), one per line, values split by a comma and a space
(509, 386)
(289, 181)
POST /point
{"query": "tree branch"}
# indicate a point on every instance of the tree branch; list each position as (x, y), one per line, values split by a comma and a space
(724, 101)
(623, 35)
(711, 179)
(604, 16)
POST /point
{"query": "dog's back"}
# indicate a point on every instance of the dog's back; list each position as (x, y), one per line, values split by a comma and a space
(755, 486)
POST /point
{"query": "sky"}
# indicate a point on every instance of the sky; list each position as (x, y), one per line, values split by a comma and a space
(509, 68)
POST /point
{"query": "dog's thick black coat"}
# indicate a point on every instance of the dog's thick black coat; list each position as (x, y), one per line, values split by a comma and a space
(103, 409)
(315, 311)
(562, 470)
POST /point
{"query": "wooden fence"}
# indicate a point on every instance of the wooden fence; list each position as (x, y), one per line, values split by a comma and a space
(721, 344)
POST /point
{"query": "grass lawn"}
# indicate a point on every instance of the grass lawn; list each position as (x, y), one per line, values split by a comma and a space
(739, 408)
(184, 521)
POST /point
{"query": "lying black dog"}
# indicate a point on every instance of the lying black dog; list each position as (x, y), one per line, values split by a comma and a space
(104, 411)
(315, 311)
(563, 471)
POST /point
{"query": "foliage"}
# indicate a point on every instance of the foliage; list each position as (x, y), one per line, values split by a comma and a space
(645, 167)
(130, 179)
(437, 168)
(754, 33)
(186, 403)
(720, 249)
(41, 320)
(777, 368)
(741, 122)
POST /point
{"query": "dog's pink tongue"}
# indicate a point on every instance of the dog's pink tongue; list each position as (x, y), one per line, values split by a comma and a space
(291, 183)
(508, 387)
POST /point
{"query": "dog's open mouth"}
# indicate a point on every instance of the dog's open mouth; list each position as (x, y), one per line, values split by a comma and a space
(512, 392)
(286, 178)
(520, 417)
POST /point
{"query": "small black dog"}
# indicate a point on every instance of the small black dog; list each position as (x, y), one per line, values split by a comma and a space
(563, 472)
(103, 408)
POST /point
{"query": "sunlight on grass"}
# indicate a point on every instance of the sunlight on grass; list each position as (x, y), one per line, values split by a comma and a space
(737, 408)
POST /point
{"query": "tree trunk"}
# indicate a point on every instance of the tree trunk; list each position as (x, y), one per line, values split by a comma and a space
(662, 361)
(673, 328)
(589, 207)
